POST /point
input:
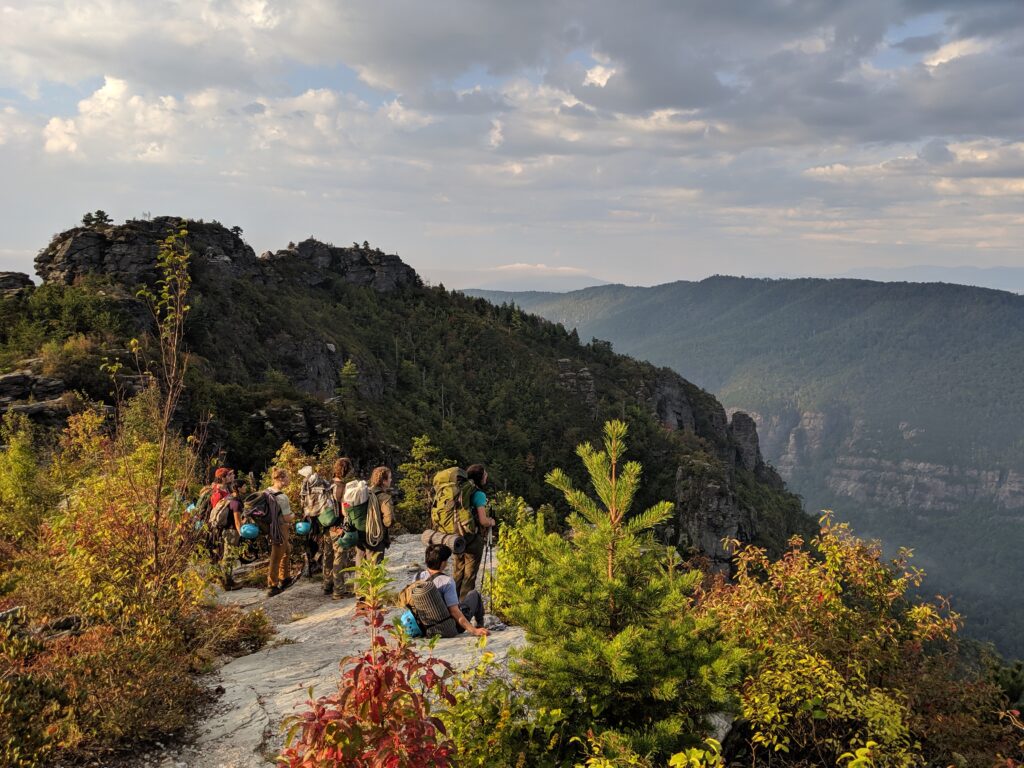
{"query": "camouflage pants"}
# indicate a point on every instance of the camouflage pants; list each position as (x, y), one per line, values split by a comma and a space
(336, 559)
(230, 545)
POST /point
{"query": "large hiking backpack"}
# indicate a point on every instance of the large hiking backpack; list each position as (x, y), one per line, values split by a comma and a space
(427, 604)
(220, 516)
(204, 504)
(355, 503)
(451, 511)
(317, 499)
(259, 507)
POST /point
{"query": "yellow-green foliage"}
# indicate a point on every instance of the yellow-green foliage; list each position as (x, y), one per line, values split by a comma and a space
(292, 458)
(28, 493)
(845, 664)
(520, 530)
(492, 723)
(142, 619)
(609, 750)
(415, 483)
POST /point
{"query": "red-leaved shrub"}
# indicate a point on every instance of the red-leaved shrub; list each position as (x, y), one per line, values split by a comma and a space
(381, 715)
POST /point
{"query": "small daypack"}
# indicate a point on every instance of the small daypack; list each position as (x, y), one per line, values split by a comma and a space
(427, 604)
(259, 507)
(451, 511)
(220, 516)
(355, 503)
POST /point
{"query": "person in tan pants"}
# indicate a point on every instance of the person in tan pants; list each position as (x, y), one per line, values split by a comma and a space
(279, 573)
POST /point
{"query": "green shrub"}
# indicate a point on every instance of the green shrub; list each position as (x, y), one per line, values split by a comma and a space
(612, 637)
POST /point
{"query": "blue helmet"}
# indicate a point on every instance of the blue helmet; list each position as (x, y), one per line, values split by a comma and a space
(303, 527)
(249, 531)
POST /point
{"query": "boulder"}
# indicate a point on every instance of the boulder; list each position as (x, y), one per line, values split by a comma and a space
(13, 284)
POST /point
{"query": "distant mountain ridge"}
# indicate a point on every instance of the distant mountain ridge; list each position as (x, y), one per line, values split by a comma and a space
(901, 405)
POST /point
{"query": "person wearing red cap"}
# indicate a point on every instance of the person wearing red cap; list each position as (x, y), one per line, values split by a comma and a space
(223, 478)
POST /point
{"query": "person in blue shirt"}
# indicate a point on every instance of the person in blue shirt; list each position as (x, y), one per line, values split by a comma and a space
(467, 564)
(469, 607)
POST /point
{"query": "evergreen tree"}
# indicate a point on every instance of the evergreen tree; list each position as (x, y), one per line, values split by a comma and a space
(612, 637)
(416, 478)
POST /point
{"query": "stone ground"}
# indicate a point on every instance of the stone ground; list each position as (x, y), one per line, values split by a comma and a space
(243, 726)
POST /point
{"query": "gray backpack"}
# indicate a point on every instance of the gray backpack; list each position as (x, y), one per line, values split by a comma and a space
(424, 599)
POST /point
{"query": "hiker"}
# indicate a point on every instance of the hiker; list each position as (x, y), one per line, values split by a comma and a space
(472, 605)
(222, 479)
(231, 535)
(336, 557)
(279, 573)
(380, 516)
(315, 492)
(467, 564)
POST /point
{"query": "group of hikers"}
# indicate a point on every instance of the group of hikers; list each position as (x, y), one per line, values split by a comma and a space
(345, 520)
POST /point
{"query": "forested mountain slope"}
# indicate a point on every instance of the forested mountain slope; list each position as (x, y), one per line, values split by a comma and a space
(900, 405)
(316, 341)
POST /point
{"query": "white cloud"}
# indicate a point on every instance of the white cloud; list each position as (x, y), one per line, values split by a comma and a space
(599, 75)
(684, 132)
(539, 269)
(956, 49)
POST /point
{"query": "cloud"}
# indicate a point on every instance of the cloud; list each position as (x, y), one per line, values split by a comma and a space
(491, 132)
(539, 269)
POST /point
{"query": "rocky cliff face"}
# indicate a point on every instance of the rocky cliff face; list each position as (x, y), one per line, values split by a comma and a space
(127, 253)
(841, 451)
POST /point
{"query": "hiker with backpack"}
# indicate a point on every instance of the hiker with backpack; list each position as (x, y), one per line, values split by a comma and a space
(314, 496)
(280, 513)
(460, 508)
(375, 537)
(222, 480)
(208, 498)
(227, 517)
(337, 555)
(434, 592)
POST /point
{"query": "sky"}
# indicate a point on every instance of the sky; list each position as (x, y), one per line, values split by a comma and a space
(538, 142)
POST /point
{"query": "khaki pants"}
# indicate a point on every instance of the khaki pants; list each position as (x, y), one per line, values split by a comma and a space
(336, 559)
(280, 569)
(467, 564)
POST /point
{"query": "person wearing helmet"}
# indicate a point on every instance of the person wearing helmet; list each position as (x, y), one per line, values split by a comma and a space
(232, 534)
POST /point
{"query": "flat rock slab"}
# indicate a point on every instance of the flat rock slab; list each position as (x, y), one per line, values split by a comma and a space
(243, 728)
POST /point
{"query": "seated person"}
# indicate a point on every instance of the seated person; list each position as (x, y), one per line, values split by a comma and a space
(472, 605)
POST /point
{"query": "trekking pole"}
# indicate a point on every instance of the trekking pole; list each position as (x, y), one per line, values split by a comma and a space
(489, 566)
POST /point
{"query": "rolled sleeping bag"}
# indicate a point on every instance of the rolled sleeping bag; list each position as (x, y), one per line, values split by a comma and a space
(453, 541)
(430, 611)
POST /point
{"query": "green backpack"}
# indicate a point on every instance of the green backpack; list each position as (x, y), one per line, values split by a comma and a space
(452, 512)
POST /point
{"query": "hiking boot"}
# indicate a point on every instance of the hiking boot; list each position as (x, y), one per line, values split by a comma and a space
(274, 590)
(328, 588)
(289, 581)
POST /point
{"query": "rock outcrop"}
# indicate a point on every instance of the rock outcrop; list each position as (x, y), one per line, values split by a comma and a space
(313, 263)
(13, 284)
(843, 452)
(127, 254)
